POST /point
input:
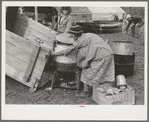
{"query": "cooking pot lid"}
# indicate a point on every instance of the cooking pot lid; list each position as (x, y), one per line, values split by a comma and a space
(65, 38)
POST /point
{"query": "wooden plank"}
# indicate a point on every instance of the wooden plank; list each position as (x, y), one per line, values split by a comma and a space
(35, 25)
(41, 61)
(21, 66)
(20, 42)
(25, 56)
(31, 34)
(37, 72)
(16, 74)
(17, 63)
(31, 62)
(17, 52)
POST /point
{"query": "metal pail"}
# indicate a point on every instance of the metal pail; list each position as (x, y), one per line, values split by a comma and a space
(123, 47)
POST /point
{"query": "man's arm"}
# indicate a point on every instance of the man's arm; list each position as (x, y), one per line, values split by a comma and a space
(69, 49)
(128, 25)
(64, 52)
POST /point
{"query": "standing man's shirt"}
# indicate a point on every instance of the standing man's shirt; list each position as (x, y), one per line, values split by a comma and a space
(133, 20)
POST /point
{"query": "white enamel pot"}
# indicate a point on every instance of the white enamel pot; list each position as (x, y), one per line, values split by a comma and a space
(70, 59)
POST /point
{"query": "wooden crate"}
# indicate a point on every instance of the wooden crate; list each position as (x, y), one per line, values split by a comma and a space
(123, 98)
(25, 58)
(32, 30)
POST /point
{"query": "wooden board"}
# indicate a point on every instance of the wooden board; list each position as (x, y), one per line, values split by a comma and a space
(23, 64)
(14, 51)
(20, 47)
(25, 56)
(20, 57)
(16, 74)
(20, 42)
(32, 30)
(15, 62)
(31, 34)
(31, 63)
(41, 60)
(24, 20)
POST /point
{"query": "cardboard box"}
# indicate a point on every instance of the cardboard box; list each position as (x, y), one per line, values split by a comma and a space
(123, 98)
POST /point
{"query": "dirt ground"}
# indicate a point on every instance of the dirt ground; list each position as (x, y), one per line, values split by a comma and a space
(17, 93)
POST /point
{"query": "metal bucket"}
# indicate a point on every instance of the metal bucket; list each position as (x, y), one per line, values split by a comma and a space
(65, 63)
(123, 47)
(124, 69)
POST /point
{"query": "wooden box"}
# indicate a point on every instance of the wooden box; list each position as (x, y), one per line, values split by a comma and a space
(25, 58)
(122, 98)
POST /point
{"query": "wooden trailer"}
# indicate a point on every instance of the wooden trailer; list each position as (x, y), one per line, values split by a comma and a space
(25, 57)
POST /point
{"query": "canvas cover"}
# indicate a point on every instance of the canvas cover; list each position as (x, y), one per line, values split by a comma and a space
(98, 13)
(106, 13)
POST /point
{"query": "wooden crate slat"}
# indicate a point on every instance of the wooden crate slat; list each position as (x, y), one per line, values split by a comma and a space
(19, 41)
(37, 73)
(31, 34)
(32, 62)
(35, 25)
(15, 62)
(25, 56)
(41, 61)
(17, 52)
(16, 74)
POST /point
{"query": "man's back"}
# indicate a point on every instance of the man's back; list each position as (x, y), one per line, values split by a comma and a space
(136, 20)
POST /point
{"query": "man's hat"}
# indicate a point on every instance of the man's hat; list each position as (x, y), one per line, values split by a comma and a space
(75, 29)
(128, 16)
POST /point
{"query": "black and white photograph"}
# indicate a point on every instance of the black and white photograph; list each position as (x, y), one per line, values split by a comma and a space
(74, 55)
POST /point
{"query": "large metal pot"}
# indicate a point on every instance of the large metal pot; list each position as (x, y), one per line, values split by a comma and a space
(65, 63)
(70, 59)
